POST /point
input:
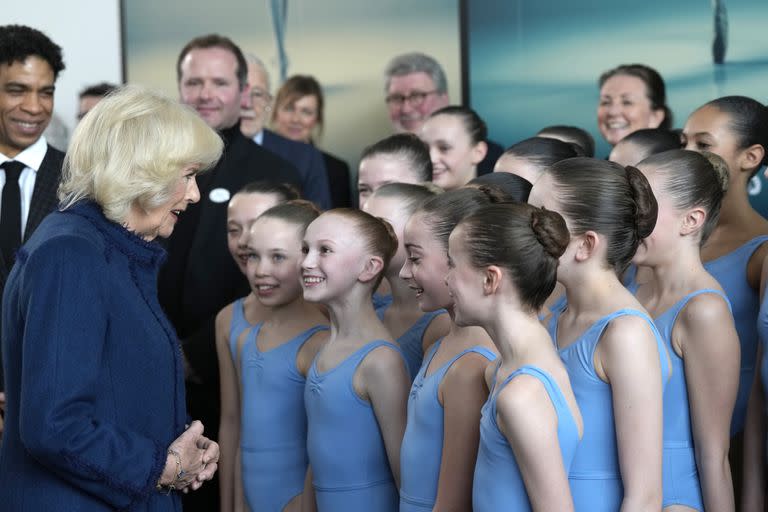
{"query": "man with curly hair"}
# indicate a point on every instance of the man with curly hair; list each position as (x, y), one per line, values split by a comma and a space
(29, 168)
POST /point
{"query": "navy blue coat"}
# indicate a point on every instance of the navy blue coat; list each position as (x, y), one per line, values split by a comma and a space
(308, 161)
(94, 377)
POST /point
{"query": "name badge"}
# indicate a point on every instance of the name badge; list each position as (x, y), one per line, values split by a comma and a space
(219, 195)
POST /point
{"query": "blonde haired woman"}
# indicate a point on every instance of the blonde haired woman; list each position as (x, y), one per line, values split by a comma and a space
(96, 418)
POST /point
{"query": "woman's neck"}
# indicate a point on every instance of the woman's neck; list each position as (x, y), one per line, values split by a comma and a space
(288, 313)
(353, 316)
(673, 273)
(593, 290)
(514, 332)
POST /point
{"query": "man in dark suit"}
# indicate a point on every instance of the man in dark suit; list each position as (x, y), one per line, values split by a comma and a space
(30, 63)
(307, 159)
(200, 277)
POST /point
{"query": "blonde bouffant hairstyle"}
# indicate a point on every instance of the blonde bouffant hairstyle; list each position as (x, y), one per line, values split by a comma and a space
(130, 149)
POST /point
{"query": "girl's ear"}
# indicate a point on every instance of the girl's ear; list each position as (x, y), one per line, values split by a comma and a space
(492, 280)
(479, 152)
(587, 245)
(693, 221)
(374, 266)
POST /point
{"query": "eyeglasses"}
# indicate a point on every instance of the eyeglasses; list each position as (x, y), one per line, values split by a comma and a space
(260, 95)
(416, 98)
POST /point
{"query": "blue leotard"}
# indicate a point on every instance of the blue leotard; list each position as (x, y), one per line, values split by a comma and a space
(237, 325)
(595, 477)
(381, 301)
(498, 484)
(412, 340)
(730, 270)
(273, 430)
(422, 449)
(680, 475)
(349, 461)
(762, 328)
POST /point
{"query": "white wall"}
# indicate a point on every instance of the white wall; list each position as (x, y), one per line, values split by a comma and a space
(88, 32)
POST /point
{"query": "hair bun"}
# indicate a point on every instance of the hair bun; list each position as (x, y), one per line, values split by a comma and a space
(720, 168)
(550, 230)
(494, 194)
(646, 207)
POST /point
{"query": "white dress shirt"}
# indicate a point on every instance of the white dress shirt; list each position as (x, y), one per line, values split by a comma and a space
(32, 157)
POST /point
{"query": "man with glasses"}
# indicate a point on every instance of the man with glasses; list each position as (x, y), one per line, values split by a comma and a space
(416, 86)
(307, 159)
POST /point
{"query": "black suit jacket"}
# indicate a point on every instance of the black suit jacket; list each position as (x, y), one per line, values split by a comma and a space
(44, 201)
(338, 178)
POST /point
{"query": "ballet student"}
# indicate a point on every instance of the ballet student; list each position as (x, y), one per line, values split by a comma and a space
(736, 129)
(414, 330)
(503, 261)
(753, 495)
(456, 137)
(357, 386)
(693, 315)
(441, 438)
(528, 158)
(614, 355)
(273, 359)
(244, 207)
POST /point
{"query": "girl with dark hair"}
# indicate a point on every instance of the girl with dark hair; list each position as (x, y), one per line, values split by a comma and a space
(643, 143)
(736, 129)
(503, 266)
(632, 97)
(244, 208)
(357, 386)
(614, 355)
(399, 158)
(414, 330)
(529, 158)
(509, 184)
(694, 317)
(441, 439)
(273, 359)
(456, 137)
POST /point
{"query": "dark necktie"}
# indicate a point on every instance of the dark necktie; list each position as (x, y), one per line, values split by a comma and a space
(10, 213)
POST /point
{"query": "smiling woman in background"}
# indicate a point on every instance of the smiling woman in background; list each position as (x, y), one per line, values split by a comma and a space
(299, 116)
(95, 418)
(632, 97)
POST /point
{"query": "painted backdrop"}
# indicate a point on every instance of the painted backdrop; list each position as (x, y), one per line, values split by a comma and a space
(536, 63)
(344, 44)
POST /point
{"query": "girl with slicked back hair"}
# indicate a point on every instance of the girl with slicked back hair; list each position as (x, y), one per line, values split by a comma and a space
(614, 355)
(504, 262)
(694, 317)
(736, 129)
(272, 360)
(357, 386)
(441, 438)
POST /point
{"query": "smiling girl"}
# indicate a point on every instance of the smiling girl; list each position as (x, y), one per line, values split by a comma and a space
(414, 330)
(440, 445)
(456, 139)
(357, 386)
(273, 361)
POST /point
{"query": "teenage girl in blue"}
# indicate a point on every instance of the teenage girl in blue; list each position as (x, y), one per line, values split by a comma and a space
(503, 266)
(694, 317)
(357, 386)
(414, 330)
(736, 129)
(244, 207)
(274, 358)
(753, 497)
(614, 355)
(440, 445)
